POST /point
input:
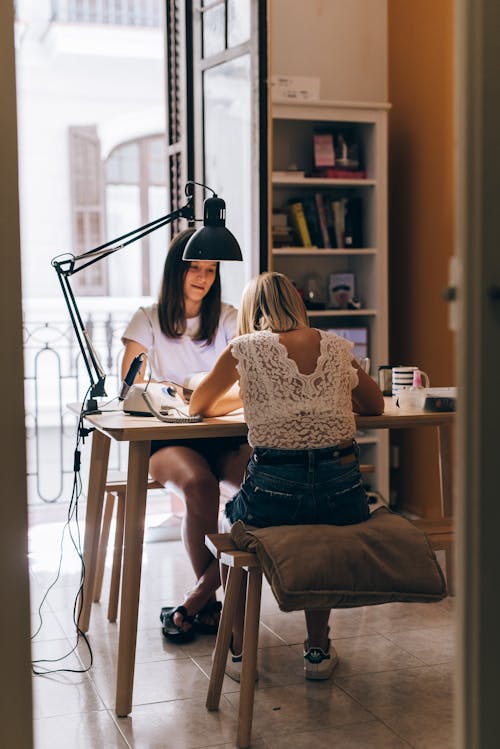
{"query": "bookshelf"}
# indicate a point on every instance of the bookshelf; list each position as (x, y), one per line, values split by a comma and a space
(293, 179)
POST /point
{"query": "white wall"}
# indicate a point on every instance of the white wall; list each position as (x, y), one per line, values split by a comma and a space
(343, 42)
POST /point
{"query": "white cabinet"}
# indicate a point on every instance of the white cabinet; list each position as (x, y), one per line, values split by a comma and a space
(292, 169)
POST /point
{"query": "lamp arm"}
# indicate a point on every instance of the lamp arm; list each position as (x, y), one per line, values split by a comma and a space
(90, 356)
(98, 253)
(65, 267)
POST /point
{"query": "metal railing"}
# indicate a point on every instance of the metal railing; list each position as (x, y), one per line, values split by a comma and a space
(110, 12)
(55, 376)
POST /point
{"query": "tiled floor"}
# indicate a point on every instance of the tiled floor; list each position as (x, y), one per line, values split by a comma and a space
(392, 688)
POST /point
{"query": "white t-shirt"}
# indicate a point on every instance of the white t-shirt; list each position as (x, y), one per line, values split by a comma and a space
(175, 359)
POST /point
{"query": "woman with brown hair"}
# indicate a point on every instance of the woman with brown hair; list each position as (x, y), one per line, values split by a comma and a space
(183, 333)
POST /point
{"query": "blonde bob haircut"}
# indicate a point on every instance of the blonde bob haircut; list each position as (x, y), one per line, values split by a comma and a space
(271, 302)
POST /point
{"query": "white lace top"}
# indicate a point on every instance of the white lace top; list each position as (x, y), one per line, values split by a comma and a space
(289, 410)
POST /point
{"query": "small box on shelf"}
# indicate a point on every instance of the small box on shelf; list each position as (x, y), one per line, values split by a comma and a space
(324, 150)
(337, 155)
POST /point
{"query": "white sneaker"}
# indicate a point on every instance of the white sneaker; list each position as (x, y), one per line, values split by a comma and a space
(318, 663)
(234, 665)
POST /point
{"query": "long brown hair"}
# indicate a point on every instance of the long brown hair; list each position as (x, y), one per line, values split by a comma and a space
(171, 307)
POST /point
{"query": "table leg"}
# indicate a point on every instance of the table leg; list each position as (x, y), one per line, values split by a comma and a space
(97, 482)
(445, 472)
(446, 485)
(135, 510)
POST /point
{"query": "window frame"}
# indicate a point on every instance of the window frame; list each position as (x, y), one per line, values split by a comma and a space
(256, 48)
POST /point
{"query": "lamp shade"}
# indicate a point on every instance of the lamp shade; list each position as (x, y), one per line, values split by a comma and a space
(213, 241)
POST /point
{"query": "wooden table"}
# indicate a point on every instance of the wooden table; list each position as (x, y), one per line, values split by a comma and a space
(139, 431)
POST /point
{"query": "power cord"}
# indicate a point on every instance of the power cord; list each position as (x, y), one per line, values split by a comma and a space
(103, 409)
(74, 534)
(181, 419)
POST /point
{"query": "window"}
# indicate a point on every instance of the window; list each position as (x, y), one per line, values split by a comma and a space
(226, 48)
(135, 175)
(180, 123)
(115, 12)
(87, 200)
(125, 192)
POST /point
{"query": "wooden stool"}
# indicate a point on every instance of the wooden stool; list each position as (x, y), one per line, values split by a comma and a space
(440, 533)
(114, 488)
(239, 563)
(244, 562)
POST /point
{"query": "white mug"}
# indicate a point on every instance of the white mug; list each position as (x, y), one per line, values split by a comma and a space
(402, 377)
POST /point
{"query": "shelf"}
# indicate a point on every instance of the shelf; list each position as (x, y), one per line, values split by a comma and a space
(318, 251)
(364, 200)
(341, 312)
(320, 182)
(300, 105)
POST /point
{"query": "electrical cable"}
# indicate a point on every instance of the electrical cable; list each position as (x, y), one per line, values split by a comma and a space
(75, 537)
(181, 419)
(72, 515)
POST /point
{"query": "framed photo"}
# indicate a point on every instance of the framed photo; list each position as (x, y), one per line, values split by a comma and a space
(341, 290)
(358, 336)
(324, 150)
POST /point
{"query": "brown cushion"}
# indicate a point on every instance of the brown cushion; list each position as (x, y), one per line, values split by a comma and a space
(383, 559)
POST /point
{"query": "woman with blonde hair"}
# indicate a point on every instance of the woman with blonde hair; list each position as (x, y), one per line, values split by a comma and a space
(299, 386)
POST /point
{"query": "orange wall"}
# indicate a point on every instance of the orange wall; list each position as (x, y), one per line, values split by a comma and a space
(421, 216)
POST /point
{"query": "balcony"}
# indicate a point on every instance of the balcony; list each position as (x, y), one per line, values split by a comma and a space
(108, 12)
(55, 376)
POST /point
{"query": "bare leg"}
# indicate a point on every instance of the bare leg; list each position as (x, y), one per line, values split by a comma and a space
(190, 472)
(233, 464)
(317, 628)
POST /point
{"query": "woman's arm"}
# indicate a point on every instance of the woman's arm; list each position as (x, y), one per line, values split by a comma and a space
(211, 397)
(132, 349)
(367, 398)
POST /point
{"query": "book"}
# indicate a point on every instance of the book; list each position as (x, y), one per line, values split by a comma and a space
(299, 223)
(279, 219)
(312, 218)
(320, 207)
(330, 222)
(337, 173)
(341, 290)
(288, 174)
(324, 151)
(338, 209)
(353, 225)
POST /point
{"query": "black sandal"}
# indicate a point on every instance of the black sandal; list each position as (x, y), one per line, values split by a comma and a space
(170, 630)
(212, 609)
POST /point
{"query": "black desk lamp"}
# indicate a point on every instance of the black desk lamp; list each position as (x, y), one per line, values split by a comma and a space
(211, 242)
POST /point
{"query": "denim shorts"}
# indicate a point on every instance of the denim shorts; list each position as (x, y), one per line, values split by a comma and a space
(295, 487)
